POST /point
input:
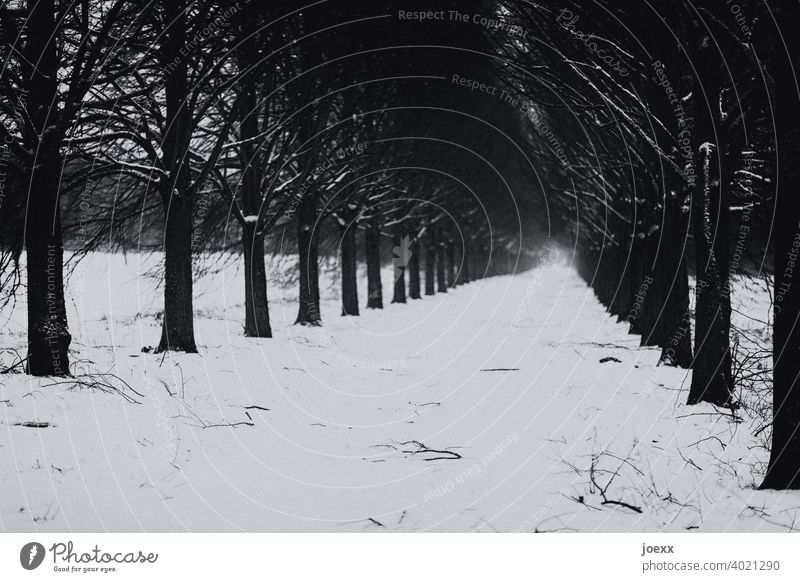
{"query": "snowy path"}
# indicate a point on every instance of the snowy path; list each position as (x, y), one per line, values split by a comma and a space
(478, 410)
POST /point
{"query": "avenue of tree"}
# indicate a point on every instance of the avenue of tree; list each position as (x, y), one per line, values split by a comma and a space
(658, 142)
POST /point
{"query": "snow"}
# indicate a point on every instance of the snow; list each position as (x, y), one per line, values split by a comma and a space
(477, 410)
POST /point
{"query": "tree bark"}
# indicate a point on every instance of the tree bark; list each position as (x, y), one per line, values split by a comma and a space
(400, 263)
(604, 275)
(711, 376)
(451, 264)
(256, 318)
(430, 264)
(621, 301)
(467, 273)
(458, 254)
(372, 248)
(677, 343)
(349, 271)
(48, 332)
(711, 369)
(308, 262)
(441, 280)
(653, 306)
(783, 470)
(639, 285)
(177, 330)
(413, 270)
(484, 262)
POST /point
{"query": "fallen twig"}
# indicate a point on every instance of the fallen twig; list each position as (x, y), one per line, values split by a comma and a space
(104, 382)
(20, 362)
(422, 448)
(227, 424)
(623, 504)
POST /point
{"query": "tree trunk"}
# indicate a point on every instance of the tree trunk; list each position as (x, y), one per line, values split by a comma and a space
(372, 248)
(349, 272)
(451, 264)
(430, 265)
(400, 262)
(604, 276)
(484, 262)
(458, 254)
(308, 262)
(441, 281)
(48, 332)
(711, 375)
(413, 270)
(677, 344)
(621, 303)
(256, 313)
(639, 282)
(467, 277)
(256, 307)
(654, 300)
(783, 470)
(177, 330)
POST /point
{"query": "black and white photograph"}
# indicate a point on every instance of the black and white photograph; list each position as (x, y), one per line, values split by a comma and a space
(399, 267)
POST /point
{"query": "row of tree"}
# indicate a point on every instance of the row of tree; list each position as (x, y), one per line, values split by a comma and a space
(677, 137)
(190, 126)
(656, 140)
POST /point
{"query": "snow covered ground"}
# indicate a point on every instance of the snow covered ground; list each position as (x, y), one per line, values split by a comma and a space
(491, 408)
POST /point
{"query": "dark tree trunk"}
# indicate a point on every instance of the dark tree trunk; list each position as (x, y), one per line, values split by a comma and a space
(621, 303)
(492, 260)
(308, 262)
(677, 344)
(256, 308)
(711, 369)
(441, 280)
(430, 265)
(48, 333)
(467, 273)
(256, 318)
(783, 470)
(372, 248)
(177, 330)
(653, 307)
(349, 272)
(451, 264)
(639, 285)
(484, 262)
(458, 253)
(400, 263)
(413, 270)
(604, 277)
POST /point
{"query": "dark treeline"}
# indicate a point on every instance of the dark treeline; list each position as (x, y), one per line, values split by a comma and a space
(657, 141)
(187, 126)
(673, 130)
